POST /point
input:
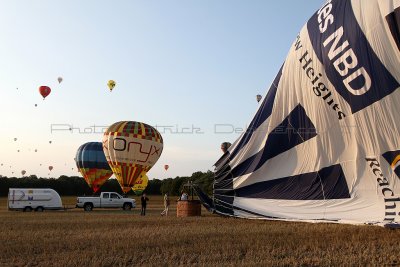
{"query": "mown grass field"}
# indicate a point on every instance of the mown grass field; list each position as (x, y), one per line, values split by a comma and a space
(118, 238)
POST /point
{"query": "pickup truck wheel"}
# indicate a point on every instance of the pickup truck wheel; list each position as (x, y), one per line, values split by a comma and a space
(127, 206)
(40, 209)
(27, 209)
(88, 207)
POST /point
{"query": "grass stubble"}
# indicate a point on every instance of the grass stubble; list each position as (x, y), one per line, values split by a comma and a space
(119, 238)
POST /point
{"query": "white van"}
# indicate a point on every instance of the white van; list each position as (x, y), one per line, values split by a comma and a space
(38, 199)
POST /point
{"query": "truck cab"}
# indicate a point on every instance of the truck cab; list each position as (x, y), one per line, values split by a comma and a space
(110, 200)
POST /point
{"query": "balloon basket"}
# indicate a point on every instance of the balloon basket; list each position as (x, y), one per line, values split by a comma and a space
(188, 208)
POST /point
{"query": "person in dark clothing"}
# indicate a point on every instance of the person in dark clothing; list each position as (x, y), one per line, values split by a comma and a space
(143, 200)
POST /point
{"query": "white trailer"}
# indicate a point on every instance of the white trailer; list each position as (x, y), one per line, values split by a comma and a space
(37, 199)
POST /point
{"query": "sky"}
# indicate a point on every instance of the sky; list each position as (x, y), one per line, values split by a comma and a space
(190, 68)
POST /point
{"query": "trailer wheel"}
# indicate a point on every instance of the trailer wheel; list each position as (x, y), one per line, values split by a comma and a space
(40, 209)
(127, 206)
(27, 209)
(88, 207)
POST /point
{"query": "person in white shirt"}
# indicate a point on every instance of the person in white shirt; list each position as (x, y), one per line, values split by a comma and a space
(184, 196)
(166, 205)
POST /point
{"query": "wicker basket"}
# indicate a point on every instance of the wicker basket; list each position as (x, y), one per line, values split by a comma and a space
(188, 208)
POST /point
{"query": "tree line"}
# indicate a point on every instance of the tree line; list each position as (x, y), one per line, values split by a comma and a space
(77, 186)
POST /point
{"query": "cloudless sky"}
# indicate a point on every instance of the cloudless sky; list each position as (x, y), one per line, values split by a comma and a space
(181, 66)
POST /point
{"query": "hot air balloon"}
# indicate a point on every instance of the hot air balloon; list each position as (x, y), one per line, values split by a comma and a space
(15, 139)
(92, 164)
(59, 79)
(131, 148)
(111, 84)
(50, 168)
(166, 167)
(301, 157)
(258, 97)
(140, 184)
(225, 146)
(23, 172)
(44, 91)
(50, 142)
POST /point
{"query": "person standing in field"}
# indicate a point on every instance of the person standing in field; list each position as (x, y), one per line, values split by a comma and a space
(166, 205)
(144, 200)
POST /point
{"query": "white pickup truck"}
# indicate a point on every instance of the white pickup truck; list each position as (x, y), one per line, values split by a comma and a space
(105, 200)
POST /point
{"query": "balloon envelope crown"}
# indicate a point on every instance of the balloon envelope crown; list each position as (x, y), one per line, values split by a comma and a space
(136, 129)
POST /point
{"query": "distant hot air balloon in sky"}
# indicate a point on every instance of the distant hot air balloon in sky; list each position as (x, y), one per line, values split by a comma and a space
(23, 172)
(92, 164)
(140, 184)
(50, 142)
(15, 139)
(50, 168)
(59, 79)
(259, 97)
(225, 146)
(44, 91)
(111, 85)
(166, 167)
(131, 149)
